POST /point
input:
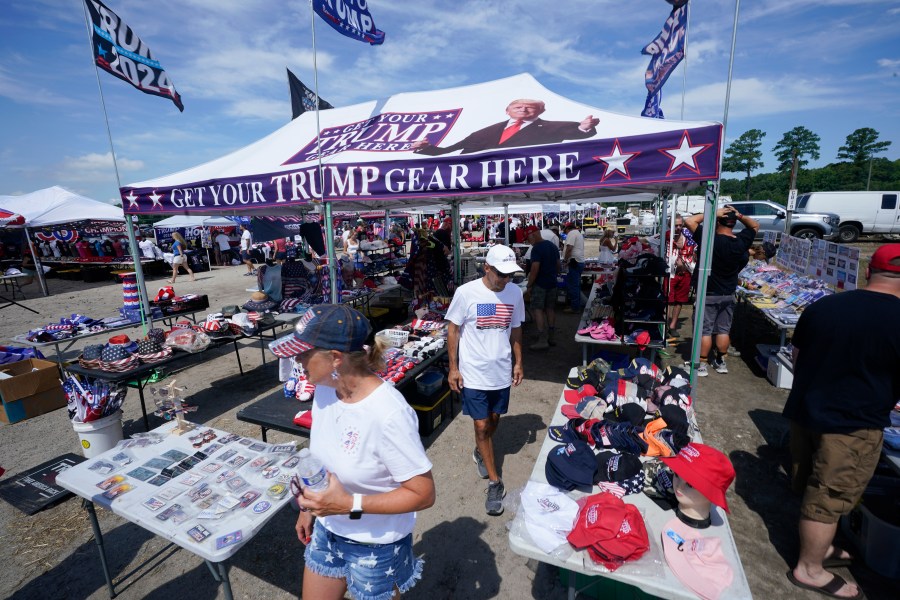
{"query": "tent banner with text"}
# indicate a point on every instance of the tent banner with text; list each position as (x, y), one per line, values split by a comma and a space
(503, 138)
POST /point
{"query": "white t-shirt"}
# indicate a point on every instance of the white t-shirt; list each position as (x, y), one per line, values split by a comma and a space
(485, 319)
(372, 446)
(246, 240)
(222, 241)
(146, 247)
(576, 240)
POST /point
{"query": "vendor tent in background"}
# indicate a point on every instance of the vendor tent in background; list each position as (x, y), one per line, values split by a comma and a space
(512, 140)
(425, 147)
(47, 210)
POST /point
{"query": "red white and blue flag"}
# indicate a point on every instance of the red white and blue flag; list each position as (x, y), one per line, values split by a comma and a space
(493, 316)
(350, 18)
(665, 51)
(119, 51)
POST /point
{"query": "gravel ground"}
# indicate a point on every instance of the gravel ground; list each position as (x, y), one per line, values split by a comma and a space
(52, 554)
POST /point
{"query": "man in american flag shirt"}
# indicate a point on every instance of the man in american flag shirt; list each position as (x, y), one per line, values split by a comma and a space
(485, 349)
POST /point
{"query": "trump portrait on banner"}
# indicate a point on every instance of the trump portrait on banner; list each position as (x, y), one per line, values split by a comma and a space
(524, 127)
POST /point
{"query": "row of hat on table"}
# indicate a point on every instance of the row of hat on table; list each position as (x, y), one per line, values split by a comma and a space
(623, 486)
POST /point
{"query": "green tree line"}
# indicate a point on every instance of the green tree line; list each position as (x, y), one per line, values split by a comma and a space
(859, 167)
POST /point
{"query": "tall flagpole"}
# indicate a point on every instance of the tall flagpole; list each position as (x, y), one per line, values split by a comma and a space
(687, 31)
(329, 224)
(709, 213)
(129, 223)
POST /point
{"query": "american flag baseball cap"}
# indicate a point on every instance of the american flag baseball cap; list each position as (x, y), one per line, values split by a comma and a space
(327, 327)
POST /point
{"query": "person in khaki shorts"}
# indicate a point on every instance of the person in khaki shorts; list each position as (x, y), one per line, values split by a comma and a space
(846, 381)
(542, 274)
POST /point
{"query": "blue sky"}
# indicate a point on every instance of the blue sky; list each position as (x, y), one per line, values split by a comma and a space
(830, 65)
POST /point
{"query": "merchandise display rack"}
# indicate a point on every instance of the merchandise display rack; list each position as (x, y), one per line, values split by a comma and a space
(586, 340)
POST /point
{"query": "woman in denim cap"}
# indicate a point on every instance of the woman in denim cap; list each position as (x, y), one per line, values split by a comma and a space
(367, 437)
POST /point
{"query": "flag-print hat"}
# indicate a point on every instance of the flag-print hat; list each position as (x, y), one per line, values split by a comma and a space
(327, 327)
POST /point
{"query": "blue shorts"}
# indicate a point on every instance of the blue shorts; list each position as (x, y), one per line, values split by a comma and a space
(245, 255)
(364, 566)
(478, 404)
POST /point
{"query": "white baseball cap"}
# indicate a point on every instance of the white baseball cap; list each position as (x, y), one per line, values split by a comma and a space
(503, 259)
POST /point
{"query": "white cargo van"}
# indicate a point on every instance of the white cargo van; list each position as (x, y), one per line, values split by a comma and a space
(860, 212)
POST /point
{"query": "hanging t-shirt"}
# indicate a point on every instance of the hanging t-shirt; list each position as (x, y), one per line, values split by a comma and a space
(372, 446)
(576, 240)
(485, 319)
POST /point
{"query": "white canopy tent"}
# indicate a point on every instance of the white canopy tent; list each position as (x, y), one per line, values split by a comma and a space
(487, 141)
(57, 206)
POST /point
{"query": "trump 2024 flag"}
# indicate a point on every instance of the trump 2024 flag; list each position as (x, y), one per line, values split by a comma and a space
(350, 18)
(665, 52)
(120, 52)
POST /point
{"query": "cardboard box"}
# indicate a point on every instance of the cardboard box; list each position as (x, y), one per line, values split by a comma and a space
(33, 390)
(779, 373)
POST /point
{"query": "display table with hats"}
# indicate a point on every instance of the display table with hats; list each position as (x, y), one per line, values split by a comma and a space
(663, 556)
(62, 345)
(195, 506)
(141, 371)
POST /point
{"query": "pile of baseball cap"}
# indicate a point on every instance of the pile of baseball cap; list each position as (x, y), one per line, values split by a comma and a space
(610, 530)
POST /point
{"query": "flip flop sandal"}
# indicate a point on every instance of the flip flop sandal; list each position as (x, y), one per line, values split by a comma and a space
(835, 559)
(830, 589)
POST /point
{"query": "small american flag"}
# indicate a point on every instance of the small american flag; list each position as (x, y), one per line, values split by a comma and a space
(611, 487)
(493, 316)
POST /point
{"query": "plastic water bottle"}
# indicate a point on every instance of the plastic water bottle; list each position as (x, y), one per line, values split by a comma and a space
(312, 472)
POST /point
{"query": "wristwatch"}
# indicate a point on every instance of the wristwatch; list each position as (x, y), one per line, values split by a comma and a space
(356, 510)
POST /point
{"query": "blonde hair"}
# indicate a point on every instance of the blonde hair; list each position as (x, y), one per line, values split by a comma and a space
(369, 359)
(179, 238)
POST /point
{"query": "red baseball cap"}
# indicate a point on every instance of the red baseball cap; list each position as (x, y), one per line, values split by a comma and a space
(614, 530)
(882, 258)
(574, 396)
(707, 470)
(530, 229)
(642, 340)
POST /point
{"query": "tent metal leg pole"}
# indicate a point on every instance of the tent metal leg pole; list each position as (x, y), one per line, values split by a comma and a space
(454, 214)
(329, 248)
(37, 264)
(138, 271)
(506, 224)
(703, 264)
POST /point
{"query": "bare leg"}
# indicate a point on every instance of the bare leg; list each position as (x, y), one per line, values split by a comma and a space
(191, 273)
(723, 341)
(673, 322)
(320, 586)
(174, 273)
(815, 544)
(484, 431)
(705, 346)
(539, 320)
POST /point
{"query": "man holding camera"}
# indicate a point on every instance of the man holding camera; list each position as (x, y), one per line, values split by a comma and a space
(730, 254)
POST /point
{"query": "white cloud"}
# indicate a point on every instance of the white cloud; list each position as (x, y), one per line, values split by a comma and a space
(754, 97)
(23, 91)
(94, 167)
(888, 63)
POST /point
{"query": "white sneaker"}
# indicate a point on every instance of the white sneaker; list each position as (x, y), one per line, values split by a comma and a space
(720, 366)
(701, 370)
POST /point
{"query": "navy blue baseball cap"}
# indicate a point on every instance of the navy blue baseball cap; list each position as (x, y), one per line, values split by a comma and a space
(571, 465)
(326, 327)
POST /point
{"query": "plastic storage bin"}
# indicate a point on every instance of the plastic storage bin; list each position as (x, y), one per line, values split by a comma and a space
(429, 382)
(876, 539)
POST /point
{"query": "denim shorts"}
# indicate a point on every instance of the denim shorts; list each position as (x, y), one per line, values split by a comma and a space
(478, 404)
(372, 571)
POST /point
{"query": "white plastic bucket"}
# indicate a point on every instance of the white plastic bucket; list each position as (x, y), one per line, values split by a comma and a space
(99, 436)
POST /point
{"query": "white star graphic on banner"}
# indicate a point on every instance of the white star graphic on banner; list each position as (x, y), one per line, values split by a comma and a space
(132, 199)
(685, 154)
(156, 199)
(616, 161)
